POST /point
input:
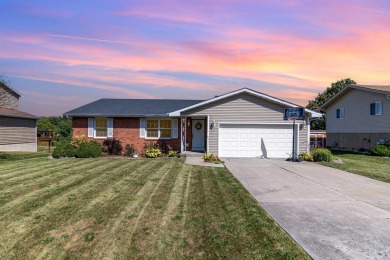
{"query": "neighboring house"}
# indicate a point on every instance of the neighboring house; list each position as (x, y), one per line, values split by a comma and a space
(17, 129)
(242, 123)
(358, 117)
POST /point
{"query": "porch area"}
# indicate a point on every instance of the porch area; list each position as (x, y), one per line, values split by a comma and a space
(194, 135)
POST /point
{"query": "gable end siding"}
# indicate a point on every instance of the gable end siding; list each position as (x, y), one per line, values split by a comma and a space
(8, 99)
(357, 118)
(247, 109)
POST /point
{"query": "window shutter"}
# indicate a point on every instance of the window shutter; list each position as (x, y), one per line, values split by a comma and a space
(338, 113)
(90, 127)
(379, 108)
(142, 127)
(110, 127)
(174, 128)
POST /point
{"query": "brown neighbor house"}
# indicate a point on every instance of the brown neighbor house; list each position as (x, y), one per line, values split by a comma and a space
(358, 117)
(18, 130)
(242, 123)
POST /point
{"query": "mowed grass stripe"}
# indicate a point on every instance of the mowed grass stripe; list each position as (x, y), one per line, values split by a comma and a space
(122, 211)
(29, 195)
(135, 213)
(18, 176)
(197, 236)
(170, 235)
(61, 209)
(151, 217)
(22, 165)
(34, 203)
(29, 215)
(45, 179)
(96, 215)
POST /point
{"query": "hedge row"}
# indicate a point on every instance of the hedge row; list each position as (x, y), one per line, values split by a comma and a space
(84, 150)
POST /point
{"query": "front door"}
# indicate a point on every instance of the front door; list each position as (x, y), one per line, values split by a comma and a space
(198, 135)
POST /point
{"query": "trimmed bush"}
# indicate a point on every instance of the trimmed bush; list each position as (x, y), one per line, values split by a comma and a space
(380, 150)
(64, 149)
(89, 149)
(322, 155)
(113, 146)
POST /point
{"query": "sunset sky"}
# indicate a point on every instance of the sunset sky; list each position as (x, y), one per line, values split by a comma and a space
(63, 54)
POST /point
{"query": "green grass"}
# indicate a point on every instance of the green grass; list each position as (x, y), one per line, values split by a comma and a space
(366, 165)
(13, 156)
(132, 208)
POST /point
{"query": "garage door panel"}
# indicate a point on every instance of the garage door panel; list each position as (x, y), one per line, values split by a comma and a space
(273, 141)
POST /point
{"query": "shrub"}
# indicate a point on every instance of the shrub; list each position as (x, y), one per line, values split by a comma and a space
(322, 155)
(64, 149)
(306, 156)
(210, 157)
(172, 153)
(153, 152)
(5, 156)
(89, 149)
(380, 150)
(113, 146)
(130, 149)
(79, 139)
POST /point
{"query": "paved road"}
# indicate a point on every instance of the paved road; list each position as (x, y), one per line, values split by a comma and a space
(332, 214)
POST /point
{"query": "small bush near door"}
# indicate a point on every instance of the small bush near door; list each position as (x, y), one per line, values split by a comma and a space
(322, 155)
(306, 156)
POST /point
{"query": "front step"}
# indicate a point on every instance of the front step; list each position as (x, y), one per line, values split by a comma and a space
(191, 154)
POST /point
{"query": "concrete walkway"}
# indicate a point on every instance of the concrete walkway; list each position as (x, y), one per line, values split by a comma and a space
(200, 162)
(332, 214)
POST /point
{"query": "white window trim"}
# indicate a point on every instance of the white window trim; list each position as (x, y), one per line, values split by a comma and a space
(342, 115)
(158, 129)
(94, 128)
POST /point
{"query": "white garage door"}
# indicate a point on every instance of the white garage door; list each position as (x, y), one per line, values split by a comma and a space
(270, 141)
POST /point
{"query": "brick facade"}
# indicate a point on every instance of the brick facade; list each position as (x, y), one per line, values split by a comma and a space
(128, 132)
(8, 99)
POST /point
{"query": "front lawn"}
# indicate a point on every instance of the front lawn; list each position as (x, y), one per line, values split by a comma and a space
(370, 166)
(132, 208)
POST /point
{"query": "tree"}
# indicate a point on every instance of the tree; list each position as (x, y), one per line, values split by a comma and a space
(62, 127)
(322, 98)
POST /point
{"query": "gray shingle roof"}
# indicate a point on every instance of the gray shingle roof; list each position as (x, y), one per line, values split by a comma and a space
(131, 107)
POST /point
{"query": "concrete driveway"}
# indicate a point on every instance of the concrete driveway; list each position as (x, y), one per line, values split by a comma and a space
(332, 214)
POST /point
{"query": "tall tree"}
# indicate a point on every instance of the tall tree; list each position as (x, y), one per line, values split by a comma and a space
(61, 126)
(322, 98)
